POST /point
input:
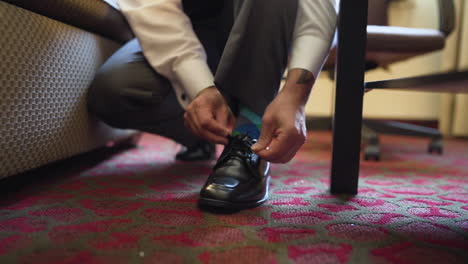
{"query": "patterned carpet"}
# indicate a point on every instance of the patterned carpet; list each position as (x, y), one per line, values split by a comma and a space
(139, 206)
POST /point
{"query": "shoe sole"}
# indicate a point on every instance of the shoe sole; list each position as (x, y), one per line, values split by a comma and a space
(206, 203)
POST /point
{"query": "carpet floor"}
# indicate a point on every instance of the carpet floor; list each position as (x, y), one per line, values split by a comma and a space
(139, 206)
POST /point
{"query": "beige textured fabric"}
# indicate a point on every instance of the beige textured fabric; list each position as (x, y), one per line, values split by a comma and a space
(46, 67)
(453, 119)
(460, 120)
(460, 109)
(96, 16)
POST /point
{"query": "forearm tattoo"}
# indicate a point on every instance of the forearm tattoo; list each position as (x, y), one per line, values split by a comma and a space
(306, 77)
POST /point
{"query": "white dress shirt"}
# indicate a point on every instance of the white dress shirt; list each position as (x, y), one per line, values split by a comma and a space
(171, 47)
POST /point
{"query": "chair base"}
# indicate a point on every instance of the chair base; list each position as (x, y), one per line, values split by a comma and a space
(449, 82)
(372, 143)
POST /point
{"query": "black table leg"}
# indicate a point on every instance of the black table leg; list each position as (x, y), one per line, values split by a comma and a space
(349, 96)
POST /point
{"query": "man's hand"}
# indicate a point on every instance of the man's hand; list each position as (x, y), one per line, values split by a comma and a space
(283, 130)
(283, 124)
(209, 116)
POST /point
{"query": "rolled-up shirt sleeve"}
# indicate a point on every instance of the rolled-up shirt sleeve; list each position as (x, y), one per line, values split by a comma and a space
(169, 44)
(313, 34)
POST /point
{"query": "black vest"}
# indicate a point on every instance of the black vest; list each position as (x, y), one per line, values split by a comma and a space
(201, 9)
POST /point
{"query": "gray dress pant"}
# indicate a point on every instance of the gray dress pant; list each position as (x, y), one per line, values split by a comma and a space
(247, 44)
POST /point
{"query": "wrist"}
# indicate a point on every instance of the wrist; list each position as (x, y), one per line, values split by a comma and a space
(296, 94)
(204, 90)
(298, 85)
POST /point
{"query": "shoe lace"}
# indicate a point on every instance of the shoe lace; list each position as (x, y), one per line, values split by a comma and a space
(239, 146)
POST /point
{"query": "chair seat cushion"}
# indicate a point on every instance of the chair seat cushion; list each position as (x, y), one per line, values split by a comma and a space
(402, 40)
(387, 44)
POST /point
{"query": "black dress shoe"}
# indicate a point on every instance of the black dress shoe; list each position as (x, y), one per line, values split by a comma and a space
(201, 151)
(240, 179)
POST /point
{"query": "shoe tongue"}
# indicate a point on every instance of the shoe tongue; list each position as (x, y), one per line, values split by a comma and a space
(243, 139)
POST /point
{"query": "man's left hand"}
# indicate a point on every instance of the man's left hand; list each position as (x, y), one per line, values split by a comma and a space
(283, 129)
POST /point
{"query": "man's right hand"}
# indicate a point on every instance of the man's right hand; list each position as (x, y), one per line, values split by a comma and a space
(209, 116)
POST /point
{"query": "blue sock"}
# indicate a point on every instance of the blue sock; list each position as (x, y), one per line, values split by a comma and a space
(248, 122)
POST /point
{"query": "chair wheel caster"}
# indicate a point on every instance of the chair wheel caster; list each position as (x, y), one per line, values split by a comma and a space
(372, 152)
(370, 157)
(436, 146)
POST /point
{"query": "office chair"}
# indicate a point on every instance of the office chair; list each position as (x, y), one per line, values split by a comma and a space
(386, 45)
(358, 47)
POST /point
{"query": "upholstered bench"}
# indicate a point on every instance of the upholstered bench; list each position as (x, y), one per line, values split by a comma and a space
(49, 53)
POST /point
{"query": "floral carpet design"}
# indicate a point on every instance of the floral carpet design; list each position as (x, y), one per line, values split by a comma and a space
(139, 206)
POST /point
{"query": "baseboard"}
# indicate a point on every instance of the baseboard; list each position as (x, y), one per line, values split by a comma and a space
(318, 123)
(325, 123)
(424, 123)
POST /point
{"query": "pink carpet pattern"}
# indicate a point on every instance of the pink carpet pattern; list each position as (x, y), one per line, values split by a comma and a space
(139, 206)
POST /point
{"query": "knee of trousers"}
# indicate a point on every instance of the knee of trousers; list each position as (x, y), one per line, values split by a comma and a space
(103, 99)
